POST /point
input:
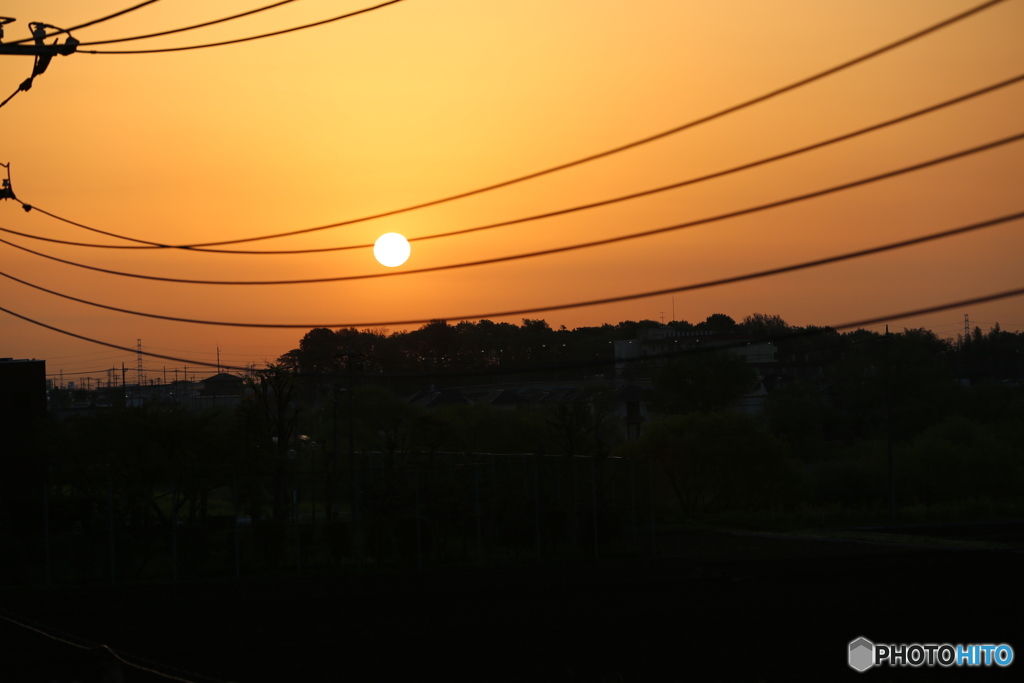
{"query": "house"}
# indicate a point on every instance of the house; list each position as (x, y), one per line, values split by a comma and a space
(660, 343)
(222, 384)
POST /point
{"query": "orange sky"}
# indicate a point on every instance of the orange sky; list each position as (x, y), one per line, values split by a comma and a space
(428, 98)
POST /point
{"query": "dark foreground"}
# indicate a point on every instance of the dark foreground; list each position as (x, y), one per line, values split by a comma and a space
(713, 607)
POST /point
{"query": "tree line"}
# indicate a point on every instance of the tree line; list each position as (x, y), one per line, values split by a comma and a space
(818, 428)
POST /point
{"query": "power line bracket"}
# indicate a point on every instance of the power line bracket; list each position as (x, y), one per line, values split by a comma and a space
(6, 192)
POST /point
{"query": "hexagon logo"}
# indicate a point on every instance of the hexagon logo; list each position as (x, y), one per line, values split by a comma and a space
(862, 654)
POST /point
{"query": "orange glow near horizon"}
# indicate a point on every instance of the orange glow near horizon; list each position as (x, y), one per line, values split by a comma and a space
(422, 100)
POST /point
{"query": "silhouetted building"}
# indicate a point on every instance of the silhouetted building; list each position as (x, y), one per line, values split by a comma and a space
(22, 396)
(223, 384)
(22, 406)
(220, 390)
(661, 342)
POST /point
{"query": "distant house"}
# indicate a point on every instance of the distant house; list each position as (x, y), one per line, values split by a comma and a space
(222, 389)
(436, 399)
(663, 341)
(223, 384)
(504, 398)
(631, 408)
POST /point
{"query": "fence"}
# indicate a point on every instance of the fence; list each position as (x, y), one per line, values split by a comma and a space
(382, 513)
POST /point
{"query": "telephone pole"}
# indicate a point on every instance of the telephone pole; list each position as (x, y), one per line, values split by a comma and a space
(43, 53)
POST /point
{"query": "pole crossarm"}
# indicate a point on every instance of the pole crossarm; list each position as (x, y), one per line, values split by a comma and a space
(40, 50)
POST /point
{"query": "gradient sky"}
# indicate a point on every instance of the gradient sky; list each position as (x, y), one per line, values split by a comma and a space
(428, 98)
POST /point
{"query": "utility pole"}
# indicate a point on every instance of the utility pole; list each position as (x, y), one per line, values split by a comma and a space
(43, 53)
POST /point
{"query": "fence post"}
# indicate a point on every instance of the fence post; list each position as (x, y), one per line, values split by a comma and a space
(234, 503)
(593, 497)
(358, 516)
(296, 524)
(479, 538)
(650, 482)
(536, 505)
(574, 506)
(174, 529)
(632, 497)
(110, 513)
(46, 530)
(419, 543)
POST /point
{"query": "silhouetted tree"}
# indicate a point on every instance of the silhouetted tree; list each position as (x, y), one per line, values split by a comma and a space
(718, 322)
(764, 325)
(719, 462)
(701, 382)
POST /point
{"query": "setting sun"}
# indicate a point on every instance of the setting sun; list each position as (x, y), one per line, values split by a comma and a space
(391, 249)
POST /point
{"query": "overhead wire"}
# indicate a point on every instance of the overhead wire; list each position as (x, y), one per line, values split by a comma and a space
(132, 350)
(60, 31)
(579, 304)
(124, 658)
(553, 250)
(247, 39)
(146, 245)
(76, 373)
(637, 143)
(10, 97)
(850, 325)
(189, 28)
(79, 355)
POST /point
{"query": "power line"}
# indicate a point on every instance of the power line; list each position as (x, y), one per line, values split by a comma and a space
(190, 28)
(99, 372)
(21, 621)
(250, 38)
(616, 299)
(151, 245)
(861, 323)
(10, 97)
(554, 250)
(657, 136)
(88, 23)
(79, 355)
(692, 181)
(71, 243)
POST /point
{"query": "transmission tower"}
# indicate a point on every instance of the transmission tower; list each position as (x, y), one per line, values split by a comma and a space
(140, 376)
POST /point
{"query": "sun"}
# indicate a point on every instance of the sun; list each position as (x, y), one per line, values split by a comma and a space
(391, 249)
